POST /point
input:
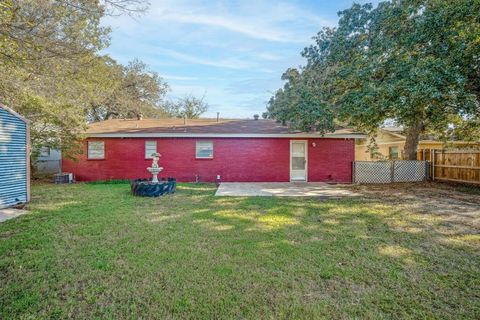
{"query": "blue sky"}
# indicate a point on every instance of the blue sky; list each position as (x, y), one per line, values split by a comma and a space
(233, 52)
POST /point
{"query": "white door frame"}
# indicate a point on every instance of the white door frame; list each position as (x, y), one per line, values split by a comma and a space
(306, 160)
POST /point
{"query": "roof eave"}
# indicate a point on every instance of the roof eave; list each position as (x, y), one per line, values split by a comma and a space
(398, 135)
(227, 135)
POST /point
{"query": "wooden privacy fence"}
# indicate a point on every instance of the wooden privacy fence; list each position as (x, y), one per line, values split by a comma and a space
(456, 166)
(389, 171)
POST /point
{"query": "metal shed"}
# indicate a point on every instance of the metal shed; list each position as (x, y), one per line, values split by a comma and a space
(14, 159)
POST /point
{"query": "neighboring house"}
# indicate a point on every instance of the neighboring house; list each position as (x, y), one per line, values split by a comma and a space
(206, 150)
(48, 161)
(390, 143)
(14, 159)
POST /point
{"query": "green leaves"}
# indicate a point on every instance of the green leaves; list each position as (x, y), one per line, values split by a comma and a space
(301, 103)
(414, 61)
(53, 75)
(124, 91)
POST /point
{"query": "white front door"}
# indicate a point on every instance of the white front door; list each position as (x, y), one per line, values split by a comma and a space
(298, 160)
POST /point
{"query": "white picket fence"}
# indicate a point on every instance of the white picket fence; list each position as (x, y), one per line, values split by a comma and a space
(389, 171)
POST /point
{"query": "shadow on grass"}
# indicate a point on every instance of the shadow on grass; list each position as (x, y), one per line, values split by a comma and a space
(371, 229)
(194, 254)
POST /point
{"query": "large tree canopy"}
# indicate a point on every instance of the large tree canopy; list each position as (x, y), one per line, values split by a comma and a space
(52, 72)
(125, 91)
(302, 101)
(414, 61)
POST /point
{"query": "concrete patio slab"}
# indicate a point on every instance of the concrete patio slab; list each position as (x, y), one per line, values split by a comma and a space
(10, 213)
(283, 189)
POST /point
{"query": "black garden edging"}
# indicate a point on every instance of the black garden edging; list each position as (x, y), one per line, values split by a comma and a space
(145, 187)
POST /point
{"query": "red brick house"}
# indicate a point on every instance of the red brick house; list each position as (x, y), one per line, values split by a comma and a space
(205, 150)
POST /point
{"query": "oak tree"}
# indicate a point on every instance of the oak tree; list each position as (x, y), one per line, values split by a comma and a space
(414, 61)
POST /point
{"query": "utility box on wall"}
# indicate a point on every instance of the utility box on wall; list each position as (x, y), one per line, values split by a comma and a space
(14, 159)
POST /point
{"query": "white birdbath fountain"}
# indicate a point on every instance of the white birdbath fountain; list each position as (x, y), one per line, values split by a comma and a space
(155, 169)
(153, 188)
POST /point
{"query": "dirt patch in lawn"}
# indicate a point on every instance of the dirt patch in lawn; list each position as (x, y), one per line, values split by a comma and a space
(454, 204)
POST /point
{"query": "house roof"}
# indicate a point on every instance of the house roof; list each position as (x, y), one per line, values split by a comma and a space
(203, 128)
(396, 132)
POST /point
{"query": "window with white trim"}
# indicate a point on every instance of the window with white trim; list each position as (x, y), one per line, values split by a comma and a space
(150, 148)
(204, 150)
(96, 150)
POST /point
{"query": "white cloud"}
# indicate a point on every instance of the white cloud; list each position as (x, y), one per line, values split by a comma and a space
(231, 24)
(276, 22)
(269, 56)
(230, 63)
(180, 78)
(254, 85)
(232, 51)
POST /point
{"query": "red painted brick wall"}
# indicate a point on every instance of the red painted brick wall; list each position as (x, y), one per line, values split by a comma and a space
(331, 160)
(235, 159)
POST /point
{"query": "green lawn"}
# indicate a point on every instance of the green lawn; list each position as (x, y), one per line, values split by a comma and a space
(94, 251)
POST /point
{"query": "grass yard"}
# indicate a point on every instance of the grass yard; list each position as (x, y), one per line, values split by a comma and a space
(94, 251)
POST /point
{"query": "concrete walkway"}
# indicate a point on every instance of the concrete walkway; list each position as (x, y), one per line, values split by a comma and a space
(10, 213)
(283, 189)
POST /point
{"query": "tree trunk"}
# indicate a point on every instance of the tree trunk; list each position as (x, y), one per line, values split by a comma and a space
(411, 144)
